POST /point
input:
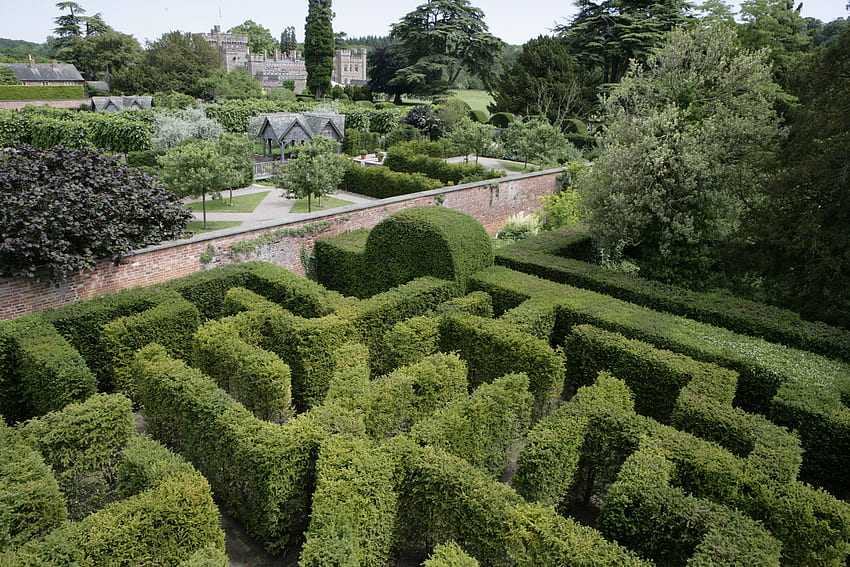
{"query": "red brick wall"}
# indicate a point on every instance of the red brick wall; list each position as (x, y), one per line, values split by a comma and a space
(491, 202)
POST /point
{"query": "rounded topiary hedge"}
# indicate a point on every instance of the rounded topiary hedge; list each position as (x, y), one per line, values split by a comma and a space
(425, 241)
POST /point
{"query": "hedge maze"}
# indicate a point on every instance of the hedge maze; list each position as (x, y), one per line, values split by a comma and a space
(435, 406)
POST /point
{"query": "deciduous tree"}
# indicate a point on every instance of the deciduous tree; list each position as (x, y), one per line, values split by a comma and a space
(470, 137)
(260, 39)
(315, 171)
(685, 151)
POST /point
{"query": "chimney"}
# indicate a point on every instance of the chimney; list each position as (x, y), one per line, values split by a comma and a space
(53, 64)
(32, 62)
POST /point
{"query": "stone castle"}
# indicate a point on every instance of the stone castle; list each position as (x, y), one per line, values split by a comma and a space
(349, 64)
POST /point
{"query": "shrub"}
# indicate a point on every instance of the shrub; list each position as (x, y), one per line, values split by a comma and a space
(299, 295)
(404, 159)
(480, 428)
(478, 116)
(380, 182)
(409, 341)
(42, 371)
(90, 207)
(502, 119)
(207, 289)
(425, 241)
(353, 515)
(41, 92)
(340, 264)
(30, 502)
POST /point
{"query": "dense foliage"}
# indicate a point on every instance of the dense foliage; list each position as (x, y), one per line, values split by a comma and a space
(319, 46)
(66, 209)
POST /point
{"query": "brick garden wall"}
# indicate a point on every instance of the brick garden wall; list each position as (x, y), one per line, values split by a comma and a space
(491, 202)
(58, 103)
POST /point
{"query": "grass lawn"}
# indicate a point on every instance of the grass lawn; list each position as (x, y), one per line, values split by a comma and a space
(241, 203)
(300, 205)
(515, 166)
(198, 226)
(477, 100)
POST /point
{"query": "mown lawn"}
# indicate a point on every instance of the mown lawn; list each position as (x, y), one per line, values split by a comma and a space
(198, 226)
(241, 203)
(477, 100)
(300, 205)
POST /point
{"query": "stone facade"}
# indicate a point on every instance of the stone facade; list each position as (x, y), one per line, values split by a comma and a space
(270, 71)
(492, 202)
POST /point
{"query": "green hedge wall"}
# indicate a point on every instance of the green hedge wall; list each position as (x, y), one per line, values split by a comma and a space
(299, 295)
(381, 183)
(812, 387)
(425, 241)
(207, 289)
(339, 262)
(443, 498)
(493, 348)
(257, 378)
(82, 443)
(403, 160)
(450, 554)
(170, 324)
(645, 512)
(30, 501)
(41, 92)
(43, 372)
(409, 341)
(353, 515)
(481, 427)
(553, 256)
(261, 472)
(81, 322)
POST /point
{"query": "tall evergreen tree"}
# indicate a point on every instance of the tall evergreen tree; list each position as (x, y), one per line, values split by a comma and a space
(777, 25)
(288, 41)
(319, 46)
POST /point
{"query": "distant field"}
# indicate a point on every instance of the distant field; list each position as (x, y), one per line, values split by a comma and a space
(477, 100)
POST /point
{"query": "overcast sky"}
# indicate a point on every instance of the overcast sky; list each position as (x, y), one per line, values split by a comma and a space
(513, 21)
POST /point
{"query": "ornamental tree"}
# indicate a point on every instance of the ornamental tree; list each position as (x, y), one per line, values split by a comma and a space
(65, 209)
(315, 171)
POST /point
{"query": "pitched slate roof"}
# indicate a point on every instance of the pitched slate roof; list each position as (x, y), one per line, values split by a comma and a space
(116, 103)
(312, 122)
(45, 72)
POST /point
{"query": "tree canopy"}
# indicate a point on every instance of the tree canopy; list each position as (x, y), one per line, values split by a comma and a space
(316, 170)
(319, 46)
(685, 151)
(260, 39)
(777, 25)
(64, 209)
(438, 40)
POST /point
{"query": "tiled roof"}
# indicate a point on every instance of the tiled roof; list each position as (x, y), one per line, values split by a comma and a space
(45, 72)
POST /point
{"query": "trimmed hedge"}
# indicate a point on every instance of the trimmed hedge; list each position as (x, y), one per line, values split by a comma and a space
(481, 427)
(81, 322)
(425, 241)
(450, 554)
(443, 498)
(799, 390)
(41, 92)
(41, 372)
(646, 513)
(392, 404)
(171, 324)
(340, 265)
(82, 443)
(353, 514)
(207, 289)
(30, 501)
(476, 303)
(299, 295)
(262, 473)
(409, 341)
(381, 182)
(693, 396)
(257, 378)
(493, 348)
(557, 256)
(403, 160)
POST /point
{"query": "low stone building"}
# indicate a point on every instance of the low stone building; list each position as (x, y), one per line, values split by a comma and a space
(271, 71)
(46, 74)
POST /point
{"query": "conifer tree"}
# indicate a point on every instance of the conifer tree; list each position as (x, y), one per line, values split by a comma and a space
(319, 46)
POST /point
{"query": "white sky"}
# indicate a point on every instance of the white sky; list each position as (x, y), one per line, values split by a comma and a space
(513, 21)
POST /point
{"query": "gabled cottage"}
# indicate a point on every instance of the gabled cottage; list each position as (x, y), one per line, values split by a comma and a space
(118, 103)
(286, 128)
